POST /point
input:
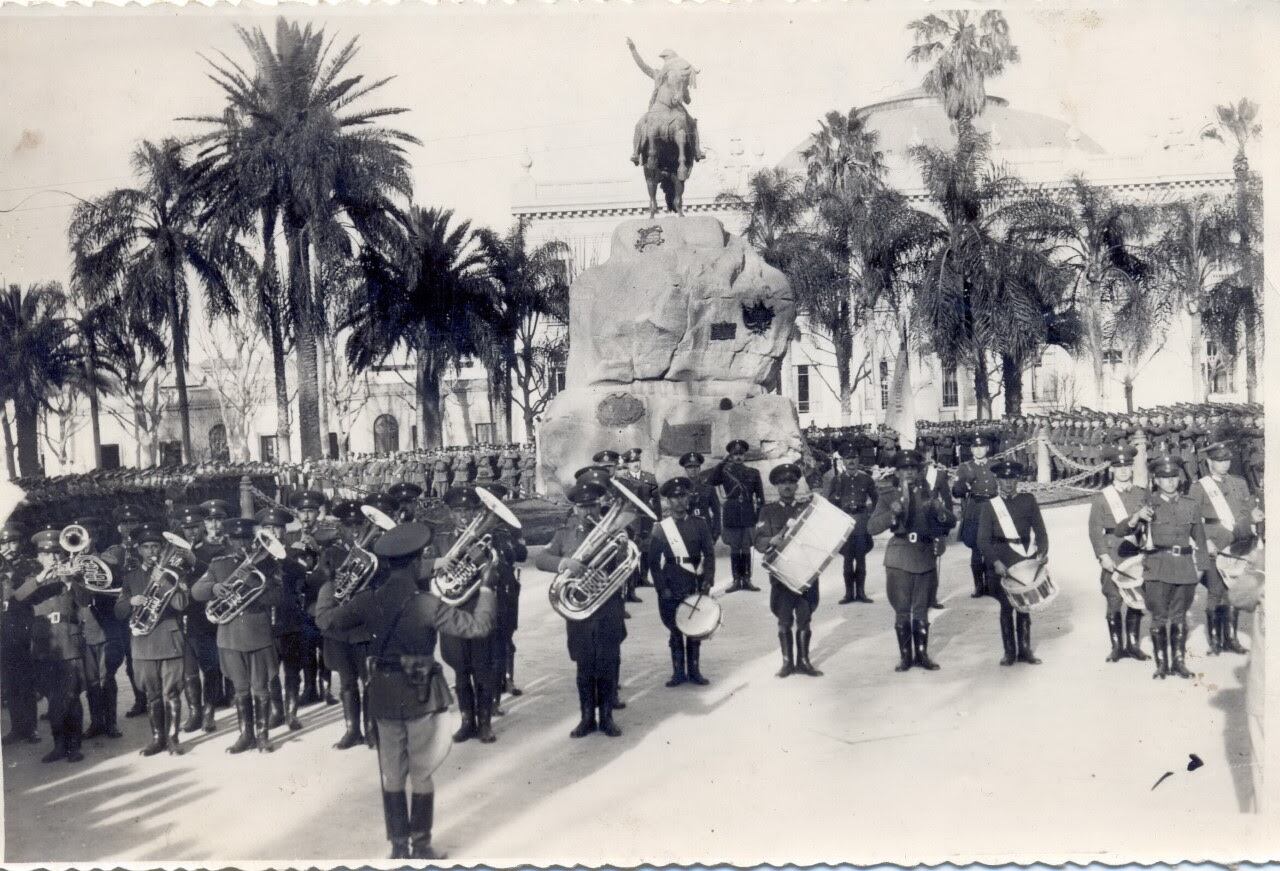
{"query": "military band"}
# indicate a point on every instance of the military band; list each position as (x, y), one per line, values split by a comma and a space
(1109, 513)
(739, 508)
(789, 607)
(683, 562)
(854, 492)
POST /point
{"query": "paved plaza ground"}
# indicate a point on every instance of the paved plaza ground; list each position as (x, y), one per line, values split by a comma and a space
(974, 758)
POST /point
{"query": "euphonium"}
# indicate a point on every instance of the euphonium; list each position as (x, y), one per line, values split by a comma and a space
(247, 582)
(361, 563)
(175, 563)
(459, 572)
(608, 555)
(94, 574)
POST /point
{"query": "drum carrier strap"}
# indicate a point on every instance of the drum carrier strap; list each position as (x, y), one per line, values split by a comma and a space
(1010, 530)
(1214, 492)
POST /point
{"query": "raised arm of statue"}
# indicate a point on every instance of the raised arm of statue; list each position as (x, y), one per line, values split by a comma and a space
(635, 55)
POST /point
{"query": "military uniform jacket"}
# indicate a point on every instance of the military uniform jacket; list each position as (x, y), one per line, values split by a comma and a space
(331, 558)
(1025, 512)
(16, 631)
(1176, 523)
(440, 469)
(252, 629)
(967, 477)
(167, 640)
(743, 494)
(704, 503)
(925, 517)
(506, 582)
(646, 491)
(855, 493)
(404, 622)
(56, 633)
(1240, 502)
(604, 631)
(1105, 530)
(675, 578)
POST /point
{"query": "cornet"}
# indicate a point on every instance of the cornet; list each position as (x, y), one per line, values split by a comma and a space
(460, 571)
(576, 596)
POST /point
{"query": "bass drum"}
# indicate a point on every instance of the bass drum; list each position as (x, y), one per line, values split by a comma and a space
(1029, 586)
(698, 617)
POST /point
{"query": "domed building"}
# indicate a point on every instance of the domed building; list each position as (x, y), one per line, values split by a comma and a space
(1041, 150)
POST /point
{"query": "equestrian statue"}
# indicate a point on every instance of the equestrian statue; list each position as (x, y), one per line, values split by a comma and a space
(666, 141)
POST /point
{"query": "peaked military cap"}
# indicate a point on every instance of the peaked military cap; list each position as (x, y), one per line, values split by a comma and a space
(499, 490)
(345, 510)
(676, 487)
(786, 473)
(46, 541)
(188, 515)
(382, 502)
(585, 492)
(693, 458)
(980, 440)
(273, 517)
(404, 491)
(404, 540)
(1165, 468)
(462, 497)
(607, 457)
(1007, 469)
(10, 532)
(737, 446)
(309, 499)
(1218, 451)
(1121, 456)
(908, 460)
(238, 527)
(846, 449)
(595, 475)
(216, 509)
(632, 456)
(148, 534)
(128, 513)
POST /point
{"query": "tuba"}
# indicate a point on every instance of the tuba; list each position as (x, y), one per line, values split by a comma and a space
(94, 574)
(460, 571)
(175, 563)
(247, 582)
(361, 564)
(578, 596)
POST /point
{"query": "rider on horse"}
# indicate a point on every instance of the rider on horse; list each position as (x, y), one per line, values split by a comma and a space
(671, 87)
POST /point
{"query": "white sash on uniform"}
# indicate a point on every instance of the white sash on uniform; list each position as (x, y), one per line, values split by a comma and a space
(931, 476)
(1115, 503)
(1005, 519)
(1214, 492)
(675, 539)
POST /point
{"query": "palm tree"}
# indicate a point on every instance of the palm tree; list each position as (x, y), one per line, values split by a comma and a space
(776, 205)
(40, 359)
(1138, 325)
(965, 50)
(289, 151)
(131, 356)
(428, 292)
(529, 284)
(148, 239)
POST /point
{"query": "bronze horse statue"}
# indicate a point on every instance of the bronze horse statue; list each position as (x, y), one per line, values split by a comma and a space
(666, 154)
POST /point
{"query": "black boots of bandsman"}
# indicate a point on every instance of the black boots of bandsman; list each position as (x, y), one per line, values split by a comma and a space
(195, 709)
(1222, 623)
(1178, 650)
(596, 694)
(1115, 631)
(685, 663)
(679, 670)
(740, 564)
(1015, 635)
(409, 824)
(795, 654)
(906, 652)
(981, 580)
(350, 697)
(291, 702)
(262, 716)
(166, 723)
(244, 721)
(1125, 631)
(276, 719)
(788, 653)
(1160, 647)
(855, 585)
(920, 635)
(477, 716)
(102, 711)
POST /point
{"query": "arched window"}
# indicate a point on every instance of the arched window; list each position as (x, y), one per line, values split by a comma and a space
(218, 449)
(386, 434)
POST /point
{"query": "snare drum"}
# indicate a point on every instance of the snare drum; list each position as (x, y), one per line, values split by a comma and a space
(698, 617)
(1029, 586)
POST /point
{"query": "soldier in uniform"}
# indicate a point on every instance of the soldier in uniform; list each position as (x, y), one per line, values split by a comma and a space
(743, 500)
(287, 618)
(246, 644)
(595, 644)
(1229, 512)
(309, 505)
(918, 516)
(205, 686)
(645, 487)
(528, 473)
(345, 649)
(683, 561)
(1109, 515)
(57, 646)
(854, 492)
(470, 656)
(938, 481)
(123, 557)
(1010, 530)
(103, 651)
(511, 549)
(789, 607)
(974, 476)
(703, 501)
(440, 475)
(18, 678)
(158, 655)
(407, 689)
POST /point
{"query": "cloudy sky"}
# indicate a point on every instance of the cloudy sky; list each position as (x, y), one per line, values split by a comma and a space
(486, 85)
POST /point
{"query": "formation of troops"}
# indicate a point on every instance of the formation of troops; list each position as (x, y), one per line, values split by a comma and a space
(201, 608)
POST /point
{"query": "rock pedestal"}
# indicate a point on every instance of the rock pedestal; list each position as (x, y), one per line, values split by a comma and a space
(674, 343)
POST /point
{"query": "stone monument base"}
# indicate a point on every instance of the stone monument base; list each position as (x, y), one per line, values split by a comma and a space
(665, 420)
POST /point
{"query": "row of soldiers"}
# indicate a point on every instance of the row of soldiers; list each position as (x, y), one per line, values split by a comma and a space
(513, 466)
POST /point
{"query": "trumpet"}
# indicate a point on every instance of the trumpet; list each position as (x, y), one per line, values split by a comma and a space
(247, 582)
(576, 596)
(175, 563)
(94, 574)
(361, 564)
(462, 569)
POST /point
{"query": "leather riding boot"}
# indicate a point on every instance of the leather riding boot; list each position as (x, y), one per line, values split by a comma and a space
(195, 710)
(746, 573)
(370, 727)
(310, 676)
(604, 694)
(1160, 645)
(906, 656)
(735, 572)
(979, 571)
(93, 694)
(140, 706)
(1115, 628)
(351, 717)
(920, 632)
(244, 720)
(1133, 635)
(484, 720)
(694, 656)
(159, 734)
(422, 811)
(262, 724)
(326, 687)
(615, 685)
(291, 702)
(1230, 623)
(788, 653)
(587, 707)
(678, 674)
(173, 712)
(1007, 638)
(59, 751)
(509, 685)
(110, 708)
(395, 814)
(208, 723)
(860, 587)
(803, 665)
(1213, 628)
(1178, 650)
(467, 707)
(848, 589)
(277, 703)
(1024, 640)
(72, 731)
(632, 582)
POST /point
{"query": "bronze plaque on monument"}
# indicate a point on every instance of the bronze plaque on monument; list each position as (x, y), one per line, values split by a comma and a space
(680, 438)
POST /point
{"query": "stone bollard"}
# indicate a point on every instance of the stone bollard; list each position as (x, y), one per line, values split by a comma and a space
(1140, 476)
(1044, 469)
(246, 497)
